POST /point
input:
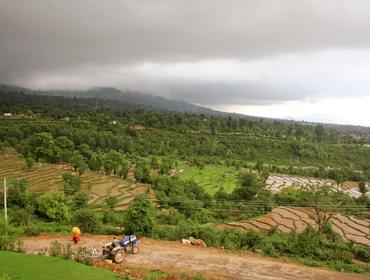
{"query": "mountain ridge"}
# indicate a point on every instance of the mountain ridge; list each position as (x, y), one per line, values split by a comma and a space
(140, 100)
(134, 98)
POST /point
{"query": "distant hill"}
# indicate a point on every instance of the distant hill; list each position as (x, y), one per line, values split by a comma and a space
(129, 98)
(109, 97)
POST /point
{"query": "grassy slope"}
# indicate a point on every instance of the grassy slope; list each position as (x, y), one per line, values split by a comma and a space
(23, 266)
(211, 177)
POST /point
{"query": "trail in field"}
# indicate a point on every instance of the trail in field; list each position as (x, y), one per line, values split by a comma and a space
(213, 263)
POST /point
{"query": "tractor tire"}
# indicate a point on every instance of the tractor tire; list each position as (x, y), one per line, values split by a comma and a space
(135, 250)
(119, 256)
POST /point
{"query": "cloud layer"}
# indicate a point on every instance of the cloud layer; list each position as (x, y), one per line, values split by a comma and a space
(208, 52)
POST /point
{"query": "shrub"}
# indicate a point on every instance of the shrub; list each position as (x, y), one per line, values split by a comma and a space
(72, 184)
(32, 229)
(80, 200)
(52, 206)
(251, 239)
(361, 252)
(55, 249)
(140, 217)
(83, 255)
(86, 220)
(8, 236)
(22, 217)
(110, 217)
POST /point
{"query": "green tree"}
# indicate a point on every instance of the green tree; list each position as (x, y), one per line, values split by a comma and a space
(52, 207)
(42, 146)
(249, 185)
(80, 200)
(79, 164)
(86, 220)
(30, 163)
(140, 217)
(111, 202)
(72, 184)
(323, 203)
(142, 173)
(16, 192)
(363, 188)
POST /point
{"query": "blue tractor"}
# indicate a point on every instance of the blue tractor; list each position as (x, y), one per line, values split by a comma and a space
(116, 250)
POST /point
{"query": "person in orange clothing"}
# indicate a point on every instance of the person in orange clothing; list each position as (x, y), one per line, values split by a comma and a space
(76, 232)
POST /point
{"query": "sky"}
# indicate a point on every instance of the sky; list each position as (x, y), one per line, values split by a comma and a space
(303, 60)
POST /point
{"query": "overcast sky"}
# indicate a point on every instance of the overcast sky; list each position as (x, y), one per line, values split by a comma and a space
(296, 59)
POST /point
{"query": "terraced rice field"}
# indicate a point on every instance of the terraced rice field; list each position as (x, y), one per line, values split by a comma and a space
(48, 177)
(275, 183)
(287, 219)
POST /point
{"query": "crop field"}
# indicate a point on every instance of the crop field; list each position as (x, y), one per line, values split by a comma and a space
(211, 177)
(48, 177)
(275, 183)
(287, 219)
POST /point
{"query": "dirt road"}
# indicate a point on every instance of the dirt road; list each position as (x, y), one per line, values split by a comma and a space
(213, 263)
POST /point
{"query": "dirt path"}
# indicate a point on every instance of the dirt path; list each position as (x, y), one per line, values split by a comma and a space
(213, 263)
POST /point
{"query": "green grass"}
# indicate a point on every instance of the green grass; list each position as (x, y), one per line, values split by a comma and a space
(212, 177)
(23, 266)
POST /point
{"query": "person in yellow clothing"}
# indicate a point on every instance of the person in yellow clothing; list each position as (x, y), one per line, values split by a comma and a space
(76, 232)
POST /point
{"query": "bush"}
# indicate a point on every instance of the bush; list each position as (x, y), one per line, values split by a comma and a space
(57, 249)
(32, 229)
(361, 252)
(80, 200)
(140, 217)
(8, 237)
(251, 239)
(52, 207)
(110, 217)
(86, 220)
(72, 184)
(22, 217)
(83, 255)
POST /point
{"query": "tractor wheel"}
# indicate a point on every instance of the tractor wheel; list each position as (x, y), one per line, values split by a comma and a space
(119, 256)
(135, 250)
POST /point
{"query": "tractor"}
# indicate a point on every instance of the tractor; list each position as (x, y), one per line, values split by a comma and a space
(116, 250)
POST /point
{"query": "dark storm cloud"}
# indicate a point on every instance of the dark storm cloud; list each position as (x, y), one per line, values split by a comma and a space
(39, 37)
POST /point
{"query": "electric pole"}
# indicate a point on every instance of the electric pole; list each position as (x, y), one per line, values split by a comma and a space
(5, 203)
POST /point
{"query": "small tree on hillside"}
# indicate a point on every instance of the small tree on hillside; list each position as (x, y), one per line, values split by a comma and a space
(52, 206)
(72, 184)
(363, 188)
(142, 173)
(79, 164)
(321, 200)
(249, 186)
(29, 162)
(140, 217)
(86, 220)
(80, 200)
(111, 202)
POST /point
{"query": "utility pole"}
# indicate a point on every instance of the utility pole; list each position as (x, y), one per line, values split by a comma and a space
(5, 203)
